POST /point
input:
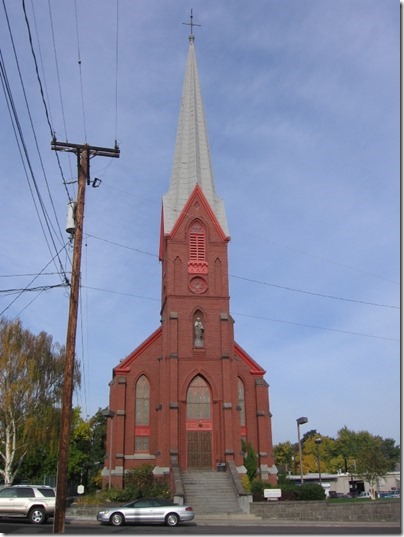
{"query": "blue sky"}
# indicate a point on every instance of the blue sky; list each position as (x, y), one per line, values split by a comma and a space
(302, 106)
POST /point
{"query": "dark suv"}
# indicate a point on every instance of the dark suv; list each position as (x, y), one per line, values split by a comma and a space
(35, 502)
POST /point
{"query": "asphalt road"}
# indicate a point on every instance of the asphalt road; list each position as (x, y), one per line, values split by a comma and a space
(22, 527)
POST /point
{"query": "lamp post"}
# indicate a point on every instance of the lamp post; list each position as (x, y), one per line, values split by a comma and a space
(300, 421)
(108, 413)
(318, 441)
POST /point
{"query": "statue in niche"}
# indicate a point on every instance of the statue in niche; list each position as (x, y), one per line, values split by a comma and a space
(198, 333)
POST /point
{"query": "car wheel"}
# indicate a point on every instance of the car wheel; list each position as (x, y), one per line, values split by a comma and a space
(117, 519)
(172, 519)
(37, 515)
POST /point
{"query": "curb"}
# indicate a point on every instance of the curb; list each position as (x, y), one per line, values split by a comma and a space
(240, 520)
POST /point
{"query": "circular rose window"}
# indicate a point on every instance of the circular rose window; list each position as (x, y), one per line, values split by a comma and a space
(198, 285)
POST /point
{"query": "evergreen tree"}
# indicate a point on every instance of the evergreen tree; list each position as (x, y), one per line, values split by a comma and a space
(251, 462)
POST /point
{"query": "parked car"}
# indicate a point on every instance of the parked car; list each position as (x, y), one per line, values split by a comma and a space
(333, 494)
(147, 510)
(391, 494)
(364, 495)
(35, 502)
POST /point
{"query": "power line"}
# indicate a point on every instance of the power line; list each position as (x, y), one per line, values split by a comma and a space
(116, 69)
(321, 258)
(28, 274)
(23, 151)
(32, 281)
(314, 327)
(304, 325)
(313, 293)
(57, 72)
(34, 289)
(119, 293)
(301, 252)
(80, 71)
(27, 305)
(122, 245)
(260, 282)
(36, 64)
(17, 123)
(30, 117)
(61, 100)
(47, 100)
(47, 114)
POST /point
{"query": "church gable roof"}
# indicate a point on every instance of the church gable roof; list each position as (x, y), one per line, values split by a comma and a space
(124, 366)
(197, 196)
(255, 369)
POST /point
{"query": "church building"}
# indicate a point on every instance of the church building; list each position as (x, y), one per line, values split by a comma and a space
(189, 396)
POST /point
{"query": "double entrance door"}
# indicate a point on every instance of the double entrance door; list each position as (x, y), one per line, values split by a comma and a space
(199, 449)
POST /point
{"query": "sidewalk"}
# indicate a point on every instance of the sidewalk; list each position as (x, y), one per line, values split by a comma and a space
(251, 520)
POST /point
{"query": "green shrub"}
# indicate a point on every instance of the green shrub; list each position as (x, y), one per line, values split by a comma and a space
(289, 492)
(160, 490)
(310, 491)
(140, 480)
(141, 483)
(119, 495)
(257, 485)
(246, 483)
(282, 478)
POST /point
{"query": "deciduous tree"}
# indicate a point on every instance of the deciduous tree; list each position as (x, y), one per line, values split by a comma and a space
(371, 463)
(31, 383)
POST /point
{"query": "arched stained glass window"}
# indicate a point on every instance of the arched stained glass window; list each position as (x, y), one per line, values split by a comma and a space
(142, 401)
(241, 401)
(198, 399)
(142, 415)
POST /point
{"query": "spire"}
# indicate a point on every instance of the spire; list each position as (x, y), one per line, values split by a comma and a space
(192, 163)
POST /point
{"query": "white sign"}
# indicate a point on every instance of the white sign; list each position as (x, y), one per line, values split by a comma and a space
(272, 494)
(80, 489)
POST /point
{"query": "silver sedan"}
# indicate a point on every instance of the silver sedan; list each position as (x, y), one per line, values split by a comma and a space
(147, 510)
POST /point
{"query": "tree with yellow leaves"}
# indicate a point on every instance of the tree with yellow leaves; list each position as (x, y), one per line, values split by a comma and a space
(31, 384)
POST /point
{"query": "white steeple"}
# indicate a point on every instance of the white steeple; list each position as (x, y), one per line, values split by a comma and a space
(192, 164)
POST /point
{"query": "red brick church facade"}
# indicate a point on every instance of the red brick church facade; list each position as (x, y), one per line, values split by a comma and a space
(189, 394)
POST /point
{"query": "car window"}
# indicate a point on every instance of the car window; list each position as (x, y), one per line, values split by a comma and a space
(8, 493)
(143, 503)
(163, 503)
(25, 492)
(49, 493)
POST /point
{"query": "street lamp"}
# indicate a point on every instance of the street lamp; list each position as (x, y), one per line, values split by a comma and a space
(318, 441)
(300, 421)
(108, 413)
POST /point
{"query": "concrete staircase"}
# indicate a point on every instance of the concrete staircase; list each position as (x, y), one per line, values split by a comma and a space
(210, 492)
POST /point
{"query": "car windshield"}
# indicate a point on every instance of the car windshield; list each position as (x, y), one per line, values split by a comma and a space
(163, 502)
(150, 502)
(144, 503)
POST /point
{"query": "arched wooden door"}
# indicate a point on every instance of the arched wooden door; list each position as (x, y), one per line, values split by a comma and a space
(199, 425)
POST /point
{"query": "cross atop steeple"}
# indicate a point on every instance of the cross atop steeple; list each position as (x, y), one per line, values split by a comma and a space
(191, 24)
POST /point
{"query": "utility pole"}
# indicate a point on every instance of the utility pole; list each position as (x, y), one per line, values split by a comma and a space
(83, 153)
